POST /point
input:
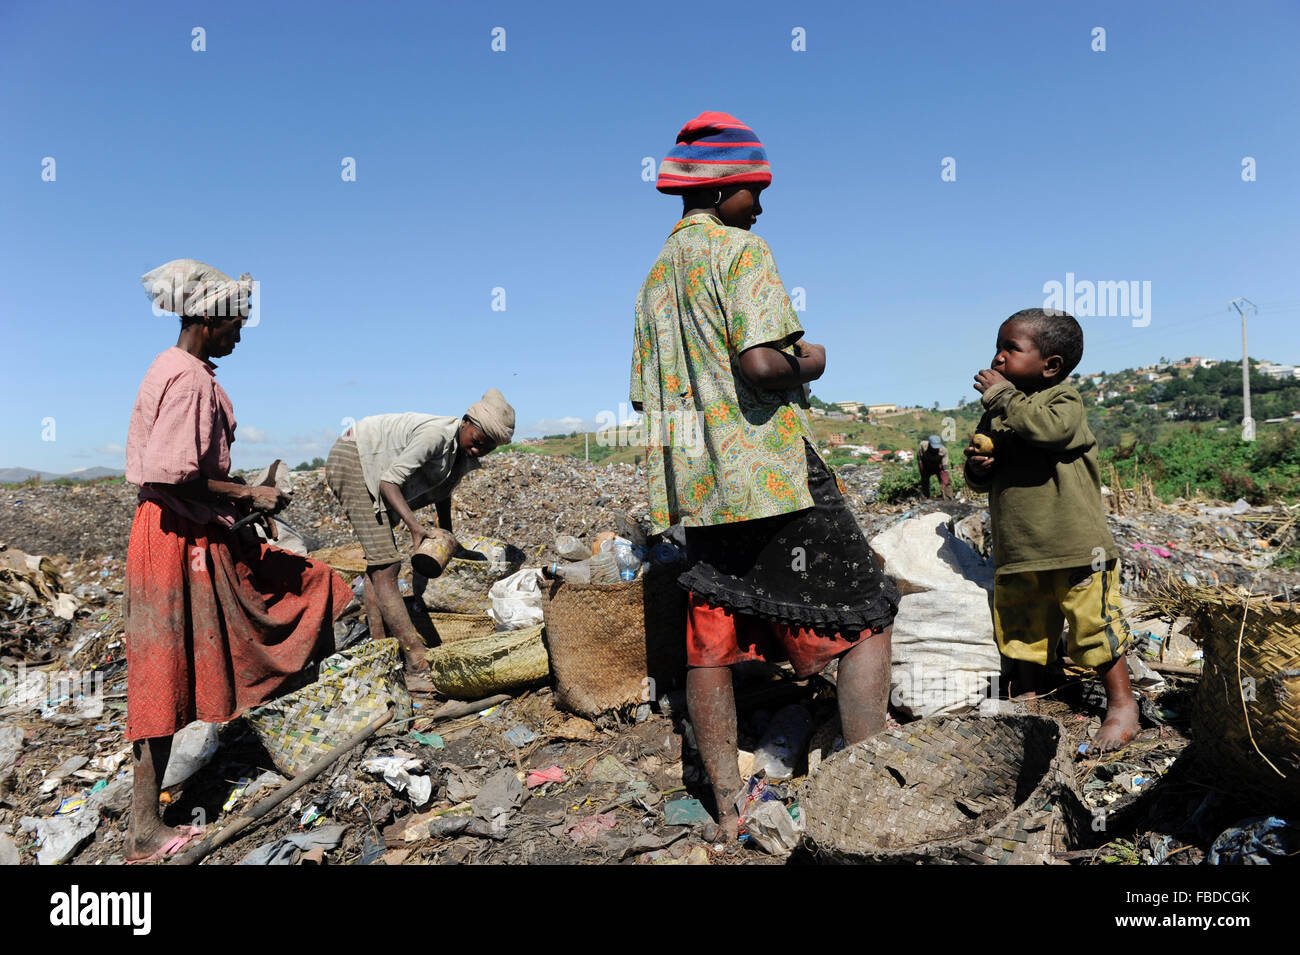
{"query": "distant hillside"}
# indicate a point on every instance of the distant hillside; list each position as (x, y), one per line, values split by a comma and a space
(19, 475)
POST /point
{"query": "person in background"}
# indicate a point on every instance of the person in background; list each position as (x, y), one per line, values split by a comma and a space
(384, 469)
(216, 621)
(932, 460)
(777, 566)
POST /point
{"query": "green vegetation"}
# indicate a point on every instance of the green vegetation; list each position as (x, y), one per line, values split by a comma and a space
(1217, 463)
(900, 482)
(315, 463)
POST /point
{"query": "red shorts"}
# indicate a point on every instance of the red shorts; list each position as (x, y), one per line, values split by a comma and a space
(717, 637)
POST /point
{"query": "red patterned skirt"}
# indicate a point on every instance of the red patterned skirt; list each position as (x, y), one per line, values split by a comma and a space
(214, 624)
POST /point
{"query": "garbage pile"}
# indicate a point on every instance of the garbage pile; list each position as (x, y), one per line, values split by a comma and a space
(561, 733)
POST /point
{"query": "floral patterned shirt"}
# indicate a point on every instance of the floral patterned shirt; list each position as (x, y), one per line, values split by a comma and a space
(718, 450)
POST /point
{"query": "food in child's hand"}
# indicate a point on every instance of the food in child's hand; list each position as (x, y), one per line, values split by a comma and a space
(982, 443)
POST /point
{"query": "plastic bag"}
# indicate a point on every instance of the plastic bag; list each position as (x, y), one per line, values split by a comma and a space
(517, 600)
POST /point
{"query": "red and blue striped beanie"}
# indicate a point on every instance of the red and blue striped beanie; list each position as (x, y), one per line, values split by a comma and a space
(713, 149)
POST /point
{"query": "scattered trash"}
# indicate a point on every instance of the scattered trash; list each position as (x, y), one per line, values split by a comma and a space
(427, 739)
(11, 745)
(519, 736)
(286, 851)
(589, 828)
(397, 772)
(540, 777)
(686, 812)
(192, 749)
(610, 769)
(61, 836)
(1258, 841)
(765, 820)
(777, 756)
(517, 600)
(464, 826)
(497, 801)
(9, 854)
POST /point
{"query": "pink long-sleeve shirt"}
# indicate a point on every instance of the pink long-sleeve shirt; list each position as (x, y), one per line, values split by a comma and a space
(181, 428)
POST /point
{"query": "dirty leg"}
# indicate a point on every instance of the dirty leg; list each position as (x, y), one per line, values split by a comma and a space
(146, 833)
(397, 622)
(863, 687)
(1121, 723)
(374, 616)
(711, 702)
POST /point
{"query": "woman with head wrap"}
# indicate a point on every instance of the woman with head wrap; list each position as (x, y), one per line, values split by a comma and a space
(388, 466)
(778, 568)
(216, 621)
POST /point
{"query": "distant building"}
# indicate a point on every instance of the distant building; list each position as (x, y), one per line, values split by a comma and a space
(904, 455)
(881, 409)
(849, 407)
(835, 440)
(1273, 370)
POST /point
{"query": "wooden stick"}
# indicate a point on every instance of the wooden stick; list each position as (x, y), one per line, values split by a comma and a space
(1174, 669)
(449, 711)
(239, 824)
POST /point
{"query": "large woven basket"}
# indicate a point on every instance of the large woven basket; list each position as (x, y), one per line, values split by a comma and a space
(480, 666)
(1246, 713)
(452, 627)
(615, 645)
(354, 686)
(949, 789)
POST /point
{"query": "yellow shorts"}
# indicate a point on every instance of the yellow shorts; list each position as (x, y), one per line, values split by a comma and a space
(1029, 609)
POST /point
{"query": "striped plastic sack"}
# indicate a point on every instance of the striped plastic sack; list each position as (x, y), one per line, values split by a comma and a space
(354, 687)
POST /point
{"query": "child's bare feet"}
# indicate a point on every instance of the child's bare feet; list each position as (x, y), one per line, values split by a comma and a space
(1121, 722)
(1119, 727)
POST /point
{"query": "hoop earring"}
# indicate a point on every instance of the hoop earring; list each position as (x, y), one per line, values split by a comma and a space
(718, 201)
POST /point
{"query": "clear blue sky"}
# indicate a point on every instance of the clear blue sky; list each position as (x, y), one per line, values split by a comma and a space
(522, 169)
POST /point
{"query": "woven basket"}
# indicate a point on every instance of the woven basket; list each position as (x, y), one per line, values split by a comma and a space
(1246, 714)
(950, 789)
(354, 686)
(617, 645)
(452, 627)
(478, 667)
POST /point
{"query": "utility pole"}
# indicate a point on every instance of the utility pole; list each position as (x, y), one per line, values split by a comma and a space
(1247, 422)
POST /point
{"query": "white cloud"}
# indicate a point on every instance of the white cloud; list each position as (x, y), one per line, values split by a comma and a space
(253, 435)
(557, 426)
(111, 448)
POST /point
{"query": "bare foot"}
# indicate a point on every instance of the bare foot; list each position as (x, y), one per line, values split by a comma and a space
(418, 678)
(1118, 729)
(724, 830)
(138, 846)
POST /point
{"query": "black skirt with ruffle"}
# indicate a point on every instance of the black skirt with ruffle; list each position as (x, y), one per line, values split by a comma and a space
(810, 568)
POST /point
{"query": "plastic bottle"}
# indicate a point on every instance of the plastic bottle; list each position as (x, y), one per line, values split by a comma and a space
(627, 562)
(575, 572)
